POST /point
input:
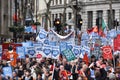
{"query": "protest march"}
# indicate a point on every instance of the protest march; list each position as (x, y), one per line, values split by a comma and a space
(55, 57)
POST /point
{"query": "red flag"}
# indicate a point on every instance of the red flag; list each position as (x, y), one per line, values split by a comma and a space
(101, 33)
(93, 29)
(117, 43)
(89, 30)
(107, 52)
(15, 17)
(86, 59)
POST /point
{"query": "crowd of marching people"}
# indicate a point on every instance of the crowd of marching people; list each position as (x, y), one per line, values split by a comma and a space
(61, 69)
(93, 68)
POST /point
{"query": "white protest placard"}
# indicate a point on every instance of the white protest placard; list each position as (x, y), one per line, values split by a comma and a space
(47, 50)
(42, 35)
(63, 46)
(55, 52)
(21, 52)
(0, 51)
(7, 71)
(30, 51)
(76, 50)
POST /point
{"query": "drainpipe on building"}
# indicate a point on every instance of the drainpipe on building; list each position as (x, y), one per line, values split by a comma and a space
(111, 13)
(76, 40)
(36, 17)
(14, 33)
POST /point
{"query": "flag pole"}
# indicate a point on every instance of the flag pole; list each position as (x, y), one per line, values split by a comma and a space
(53, 70)
(113, 56)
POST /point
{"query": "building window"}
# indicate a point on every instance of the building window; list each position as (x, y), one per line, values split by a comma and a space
(109, 18)
(52, 18)
(56, 15)
(90, 19)
(53, 2)
(99, 17)
(65, 16)
(60, 1)
(69, 15)
(56, 2)
(60, 16)
(99, 14)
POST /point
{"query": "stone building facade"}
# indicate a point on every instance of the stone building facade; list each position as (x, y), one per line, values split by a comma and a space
(7, 11)
(90, 10)
(5, 16)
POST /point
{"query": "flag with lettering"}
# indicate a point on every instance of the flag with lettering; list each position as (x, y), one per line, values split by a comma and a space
(107, 52)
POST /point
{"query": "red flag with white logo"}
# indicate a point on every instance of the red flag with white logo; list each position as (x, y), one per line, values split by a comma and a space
(107, 52)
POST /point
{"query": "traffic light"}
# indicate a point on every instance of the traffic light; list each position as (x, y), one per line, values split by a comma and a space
(57, 24)
(116, 23)
(79, 23)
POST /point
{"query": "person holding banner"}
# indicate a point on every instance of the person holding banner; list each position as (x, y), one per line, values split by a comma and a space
(12, 56)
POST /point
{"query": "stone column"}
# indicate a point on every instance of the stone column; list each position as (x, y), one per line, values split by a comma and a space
(2, 19)
(117, 14)
(85, 21)
(0, 15)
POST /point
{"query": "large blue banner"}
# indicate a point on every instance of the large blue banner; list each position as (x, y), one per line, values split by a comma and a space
(52, 43)
(69, 46)
(7, 71)
(38, 46)
(21, 52)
